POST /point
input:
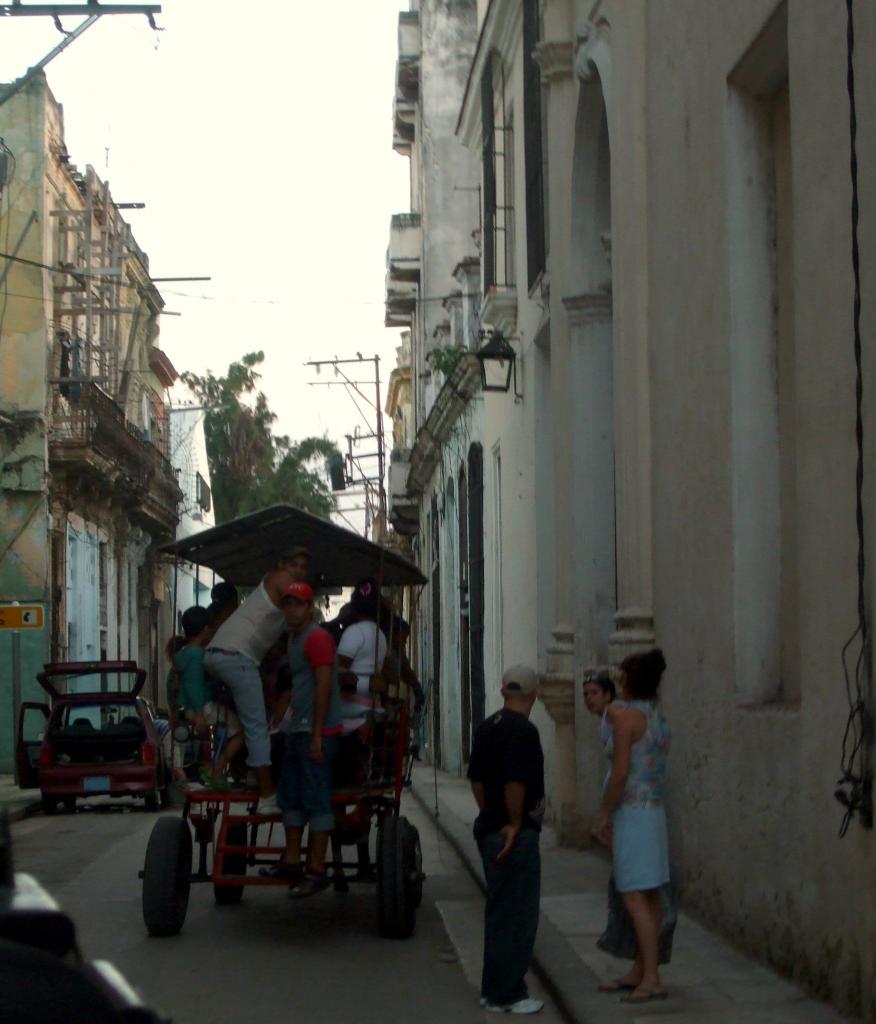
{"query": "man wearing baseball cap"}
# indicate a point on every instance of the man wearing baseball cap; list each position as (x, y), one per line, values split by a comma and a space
(506, 772)
(312, 726)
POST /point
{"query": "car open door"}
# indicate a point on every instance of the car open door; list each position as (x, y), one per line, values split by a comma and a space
(32, 722)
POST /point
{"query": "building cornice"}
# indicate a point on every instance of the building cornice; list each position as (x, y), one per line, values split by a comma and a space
(589, 307)
(556, 58)
(458, 390)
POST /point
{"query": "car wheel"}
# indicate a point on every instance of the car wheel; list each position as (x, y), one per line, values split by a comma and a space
(49, 804)
(152, 800)
(70, 804)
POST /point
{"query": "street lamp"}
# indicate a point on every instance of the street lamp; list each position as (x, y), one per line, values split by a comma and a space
(498, 363)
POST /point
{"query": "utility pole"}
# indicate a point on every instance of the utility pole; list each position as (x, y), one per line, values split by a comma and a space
(93, 11)
(354, 460)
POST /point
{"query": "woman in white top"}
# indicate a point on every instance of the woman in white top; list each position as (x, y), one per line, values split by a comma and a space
(362, 654)
(234, 656)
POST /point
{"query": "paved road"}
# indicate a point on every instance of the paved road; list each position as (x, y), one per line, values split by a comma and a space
(268, 959)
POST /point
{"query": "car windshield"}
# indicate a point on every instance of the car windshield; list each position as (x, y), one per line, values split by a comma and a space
(96, 682)
(90, 720)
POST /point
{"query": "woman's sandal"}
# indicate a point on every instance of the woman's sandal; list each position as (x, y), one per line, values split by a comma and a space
(646, 995)
(617, 985)
(310, 885)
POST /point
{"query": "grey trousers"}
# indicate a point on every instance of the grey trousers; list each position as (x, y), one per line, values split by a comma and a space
(511, 915)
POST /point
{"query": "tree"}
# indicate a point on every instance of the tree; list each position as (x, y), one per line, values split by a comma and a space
(250, 467)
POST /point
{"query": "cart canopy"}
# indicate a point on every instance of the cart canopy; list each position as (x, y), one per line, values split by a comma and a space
(243, 550)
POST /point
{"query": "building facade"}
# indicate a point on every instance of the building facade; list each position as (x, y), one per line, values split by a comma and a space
(188, 456)
(664, 239)
(87, 488)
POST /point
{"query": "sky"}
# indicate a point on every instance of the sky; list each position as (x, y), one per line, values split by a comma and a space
(259, 136)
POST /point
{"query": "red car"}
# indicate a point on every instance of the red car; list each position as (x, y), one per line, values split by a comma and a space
(98, 737)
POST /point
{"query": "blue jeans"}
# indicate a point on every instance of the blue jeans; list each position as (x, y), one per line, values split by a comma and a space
(305, 790)
(241, 675)
(511, 915)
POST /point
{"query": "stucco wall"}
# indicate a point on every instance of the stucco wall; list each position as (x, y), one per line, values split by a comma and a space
(23, 450)
(754, 821)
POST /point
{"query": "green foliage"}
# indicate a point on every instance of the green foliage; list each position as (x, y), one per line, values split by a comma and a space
(250, 467)
(445, 357)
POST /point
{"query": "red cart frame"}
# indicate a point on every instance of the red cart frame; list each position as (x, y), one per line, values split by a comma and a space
(227, 822)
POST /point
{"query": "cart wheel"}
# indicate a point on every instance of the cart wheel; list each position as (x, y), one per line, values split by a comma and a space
(235, 864)
(167, 876)
(49, 804)
(414, 864)
(399, 877)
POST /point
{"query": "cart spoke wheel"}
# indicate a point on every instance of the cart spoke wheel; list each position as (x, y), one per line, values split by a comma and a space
(167, 876)
(235, 864)
(399, 877)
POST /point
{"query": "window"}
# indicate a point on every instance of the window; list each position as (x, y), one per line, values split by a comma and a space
(103, 595)
(203, 495)
(488, 117)
(760, 233)
(507, 207)
(532, 146)
(497, 559)
(498, 176)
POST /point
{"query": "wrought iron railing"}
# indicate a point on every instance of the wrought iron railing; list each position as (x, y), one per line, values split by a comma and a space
(84, 415)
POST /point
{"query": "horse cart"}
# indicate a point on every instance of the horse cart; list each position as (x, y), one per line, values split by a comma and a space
(220, 839)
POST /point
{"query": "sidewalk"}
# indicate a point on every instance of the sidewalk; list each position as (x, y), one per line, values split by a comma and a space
(18, 803)
(707, 980)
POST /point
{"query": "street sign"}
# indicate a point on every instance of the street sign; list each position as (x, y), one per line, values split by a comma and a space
(21, 616)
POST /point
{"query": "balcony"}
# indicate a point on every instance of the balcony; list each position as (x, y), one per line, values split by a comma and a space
(401, 301)
(403, 511)
(403, 257)
(407, 68)
(404, 125)
(92, 444)
(402, 269)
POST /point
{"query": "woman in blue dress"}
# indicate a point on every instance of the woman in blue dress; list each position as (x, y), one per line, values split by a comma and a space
(632, 819)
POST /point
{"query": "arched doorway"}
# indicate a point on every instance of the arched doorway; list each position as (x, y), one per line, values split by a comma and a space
(475, 508)
(589, 308)
(464, 633)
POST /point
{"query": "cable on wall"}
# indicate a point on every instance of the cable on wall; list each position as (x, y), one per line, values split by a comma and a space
(855, 787)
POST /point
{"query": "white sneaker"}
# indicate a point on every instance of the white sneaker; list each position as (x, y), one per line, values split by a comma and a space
(268, 805)
(527, 1005)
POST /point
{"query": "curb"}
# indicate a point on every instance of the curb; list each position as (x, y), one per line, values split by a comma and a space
(21, 809)
(567, 979)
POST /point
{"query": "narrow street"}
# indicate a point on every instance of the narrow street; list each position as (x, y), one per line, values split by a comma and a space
(266, 959)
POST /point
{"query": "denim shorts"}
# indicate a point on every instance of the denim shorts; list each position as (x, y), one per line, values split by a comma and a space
(305, 790)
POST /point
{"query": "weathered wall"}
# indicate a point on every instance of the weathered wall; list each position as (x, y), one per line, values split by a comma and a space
(754, 821)
(23, 359)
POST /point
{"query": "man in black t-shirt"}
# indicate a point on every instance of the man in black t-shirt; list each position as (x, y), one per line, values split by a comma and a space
(506, 772)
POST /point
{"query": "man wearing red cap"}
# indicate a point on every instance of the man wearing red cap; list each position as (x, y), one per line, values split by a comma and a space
(312, 726)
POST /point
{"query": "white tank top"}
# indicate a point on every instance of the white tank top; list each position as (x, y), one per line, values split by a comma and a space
(254, 628)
